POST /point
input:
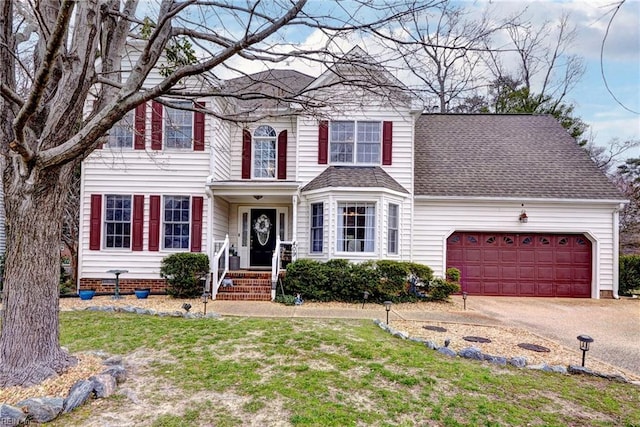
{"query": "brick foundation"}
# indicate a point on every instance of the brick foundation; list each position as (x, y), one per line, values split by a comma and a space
(127, 286)
(606, 294)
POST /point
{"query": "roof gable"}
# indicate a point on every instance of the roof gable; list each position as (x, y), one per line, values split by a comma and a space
(489, 155)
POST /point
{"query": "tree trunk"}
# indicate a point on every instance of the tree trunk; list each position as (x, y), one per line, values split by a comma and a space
(30, 349)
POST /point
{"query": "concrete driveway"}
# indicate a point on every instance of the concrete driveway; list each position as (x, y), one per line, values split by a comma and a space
(613, 324)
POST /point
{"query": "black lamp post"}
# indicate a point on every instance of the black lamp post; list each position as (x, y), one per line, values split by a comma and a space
(464, 300)
(585, 341)
(387, 306)
(365, 295)
(205, 299)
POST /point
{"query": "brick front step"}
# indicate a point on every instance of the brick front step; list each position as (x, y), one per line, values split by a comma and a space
(247, 286)
(243, 297)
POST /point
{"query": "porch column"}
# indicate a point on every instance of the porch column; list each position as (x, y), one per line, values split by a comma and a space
(294, 230)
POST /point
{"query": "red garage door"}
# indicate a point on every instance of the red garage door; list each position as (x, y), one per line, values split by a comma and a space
(540, 265)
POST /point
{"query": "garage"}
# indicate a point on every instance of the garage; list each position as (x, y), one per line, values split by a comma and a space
(509, 264)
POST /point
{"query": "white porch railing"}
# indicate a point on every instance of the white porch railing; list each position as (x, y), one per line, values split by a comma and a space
(220, 265)
(284, 253)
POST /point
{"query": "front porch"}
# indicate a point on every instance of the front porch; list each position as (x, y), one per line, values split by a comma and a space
(260, 284)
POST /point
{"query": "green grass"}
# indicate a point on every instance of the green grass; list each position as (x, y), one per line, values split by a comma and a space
(307, 372)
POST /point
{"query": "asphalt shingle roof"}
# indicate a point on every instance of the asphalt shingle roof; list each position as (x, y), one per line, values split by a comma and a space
(488, 155)
(267, 89)
(354, 176)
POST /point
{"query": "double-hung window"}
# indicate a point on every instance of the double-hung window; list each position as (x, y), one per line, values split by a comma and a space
(264, 152)
(356, 227)
(117, 221)
(176, 222)
(317, 226)
(392, 229)
(178, 125)
(355, 142)
(121, 134)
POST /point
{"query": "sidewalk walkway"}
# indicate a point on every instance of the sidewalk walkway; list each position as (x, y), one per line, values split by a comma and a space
(345, 311)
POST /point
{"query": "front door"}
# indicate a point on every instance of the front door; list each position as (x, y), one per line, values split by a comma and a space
(263, 237)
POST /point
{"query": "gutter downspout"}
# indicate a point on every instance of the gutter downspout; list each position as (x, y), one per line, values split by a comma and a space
(616, 250)
(210, 247)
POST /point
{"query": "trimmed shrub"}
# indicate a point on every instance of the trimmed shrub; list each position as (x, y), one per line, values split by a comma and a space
(629, 273)
(184, 272)
(307, 278)
(453, 275)
(440, 289)
(341, 280)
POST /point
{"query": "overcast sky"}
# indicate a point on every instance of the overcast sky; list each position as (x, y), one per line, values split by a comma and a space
(621, 62)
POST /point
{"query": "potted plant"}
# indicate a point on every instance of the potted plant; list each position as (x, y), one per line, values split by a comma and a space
(234, 259)
(86, 294)
(142, 293)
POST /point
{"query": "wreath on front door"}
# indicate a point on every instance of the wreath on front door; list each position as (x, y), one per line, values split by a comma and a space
(262, 227)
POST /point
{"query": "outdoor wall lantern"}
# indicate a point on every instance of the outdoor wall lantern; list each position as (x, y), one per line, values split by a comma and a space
(464, 299)
(387, 306)
(186, 307)
(523, 217)
(365, 296)
(205, 299)
(585, 341)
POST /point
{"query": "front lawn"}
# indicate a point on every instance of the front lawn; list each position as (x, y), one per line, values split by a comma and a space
(246, 371)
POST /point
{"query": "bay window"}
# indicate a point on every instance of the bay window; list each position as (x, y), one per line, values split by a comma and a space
(356, 227)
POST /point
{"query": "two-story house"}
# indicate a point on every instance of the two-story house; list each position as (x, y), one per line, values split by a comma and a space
(511, 200)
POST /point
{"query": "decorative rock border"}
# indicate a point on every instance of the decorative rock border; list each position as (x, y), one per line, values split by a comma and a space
(45, 409)
(148, 311)
(474, 353)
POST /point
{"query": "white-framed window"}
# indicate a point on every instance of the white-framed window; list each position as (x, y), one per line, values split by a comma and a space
(356, 227)
(178, 125)
(122, 133)
(176, 225)
(317, 227)
(264, 152)
(392, 229)
(355, 142)
(117, 221)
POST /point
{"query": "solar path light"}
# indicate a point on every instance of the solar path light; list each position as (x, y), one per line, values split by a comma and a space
(387, 306)
(585, 341)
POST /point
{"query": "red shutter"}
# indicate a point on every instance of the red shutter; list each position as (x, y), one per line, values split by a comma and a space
(95, 222)
(154, 223)
(138, 220)
(323, 142)
(140, 124)
(198, 127)
(282, 155)
(387, 142)
(156, 126)
(196, 223)
(246, 154)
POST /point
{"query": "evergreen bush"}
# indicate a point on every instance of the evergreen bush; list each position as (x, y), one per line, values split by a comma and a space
(629, 274)
(184, 272)
(341, 280)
